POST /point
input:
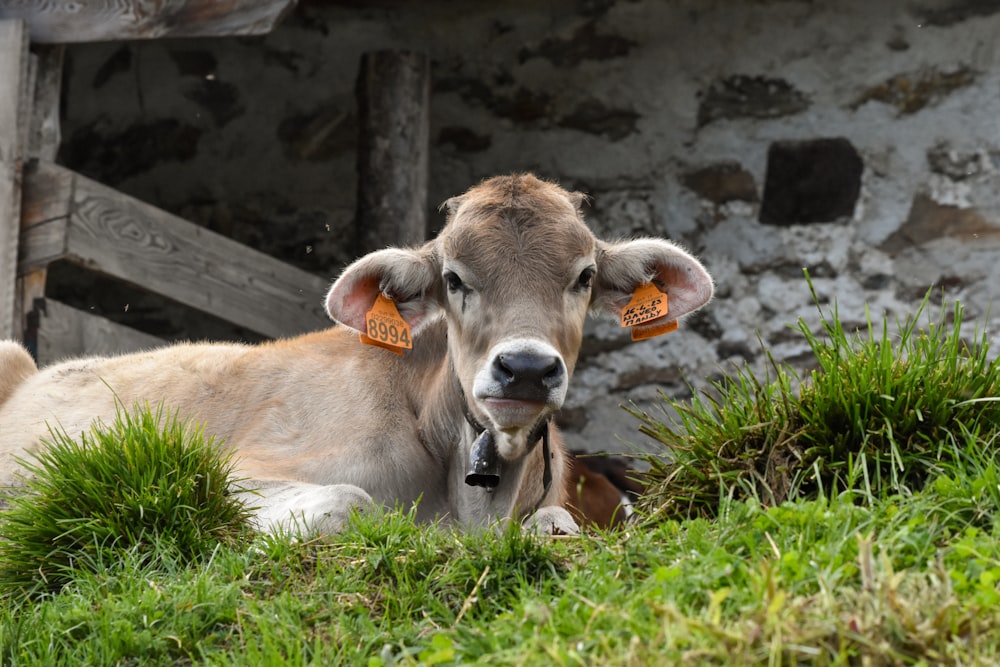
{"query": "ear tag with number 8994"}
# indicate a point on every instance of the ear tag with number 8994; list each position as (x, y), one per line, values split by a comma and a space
(386, 327)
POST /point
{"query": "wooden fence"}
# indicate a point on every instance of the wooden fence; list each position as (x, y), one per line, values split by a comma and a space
(51, 214)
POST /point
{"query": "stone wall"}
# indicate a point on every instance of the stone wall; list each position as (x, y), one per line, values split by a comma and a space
(857, 139)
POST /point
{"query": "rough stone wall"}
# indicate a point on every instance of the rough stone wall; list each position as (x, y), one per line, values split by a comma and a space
(853, 138)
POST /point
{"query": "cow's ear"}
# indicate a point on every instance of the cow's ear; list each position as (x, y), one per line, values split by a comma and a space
(450, 206)
(578, 200)
(622, 267)
(409, 277)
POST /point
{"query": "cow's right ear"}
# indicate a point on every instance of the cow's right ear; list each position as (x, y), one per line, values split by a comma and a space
(409, 277)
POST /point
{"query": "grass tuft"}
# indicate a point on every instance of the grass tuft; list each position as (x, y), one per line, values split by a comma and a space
(886, 409)
(144, 485)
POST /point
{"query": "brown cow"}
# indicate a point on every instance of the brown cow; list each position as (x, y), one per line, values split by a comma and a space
(601, 489)
(494, 310)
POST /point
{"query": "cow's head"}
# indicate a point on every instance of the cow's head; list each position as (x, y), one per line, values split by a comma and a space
(515, 271)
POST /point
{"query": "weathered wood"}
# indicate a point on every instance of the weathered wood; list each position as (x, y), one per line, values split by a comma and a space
(15, 109)
(70, 217)
(47, 194)
(393, 98)
(44, 132)
(30, 287)
(43, 90)
(65, 21)
(57, 331)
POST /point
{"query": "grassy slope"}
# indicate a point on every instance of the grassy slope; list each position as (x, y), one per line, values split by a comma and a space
(884, 554)
(823, 582)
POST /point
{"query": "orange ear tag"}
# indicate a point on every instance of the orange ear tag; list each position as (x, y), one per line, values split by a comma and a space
(386, 327)
(653, 330)
(648, 303)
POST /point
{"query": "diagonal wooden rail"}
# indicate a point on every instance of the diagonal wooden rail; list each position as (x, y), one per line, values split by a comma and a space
(68, 217)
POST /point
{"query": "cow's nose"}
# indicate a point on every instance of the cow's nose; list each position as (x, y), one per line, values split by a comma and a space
(528, 376)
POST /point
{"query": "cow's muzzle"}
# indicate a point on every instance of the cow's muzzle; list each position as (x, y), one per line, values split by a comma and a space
(522, 383)
(528, 376)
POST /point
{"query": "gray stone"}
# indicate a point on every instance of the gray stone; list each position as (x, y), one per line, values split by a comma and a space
(663, 112)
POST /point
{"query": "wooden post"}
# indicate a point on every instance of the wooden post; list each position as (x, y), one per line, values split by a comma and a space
(15, 110)
(393, 95)
(45, 132)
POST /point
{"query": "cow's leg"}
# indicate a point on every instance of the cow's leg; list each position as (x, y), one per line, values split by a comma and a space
(288, 505)
(551, 520)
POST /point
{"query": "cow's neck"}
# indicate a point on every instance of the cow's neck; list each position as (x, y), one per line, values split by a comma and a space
(480, 505)
(485, 466)
(485, 505)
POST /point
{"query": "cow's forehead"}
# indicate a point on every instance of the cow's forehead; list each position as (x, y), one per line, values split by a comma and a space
(517, 221)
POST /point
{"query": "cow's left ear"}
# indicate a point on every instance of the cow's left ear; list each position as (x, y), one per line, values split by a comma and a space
(622, 267)
(409, 277)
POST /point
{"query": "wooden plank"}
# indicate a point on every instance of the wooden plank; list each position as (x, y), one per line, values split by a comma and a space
(47, 194)
(393, 98)
(46, 205)
(110, 233)
(59, 331)
(66, 21)
(43, 244)
(15, 109)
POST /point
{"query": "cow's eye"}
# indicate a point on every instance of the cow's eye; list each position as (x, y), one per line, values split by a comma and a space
(586, 278)
(453, 281)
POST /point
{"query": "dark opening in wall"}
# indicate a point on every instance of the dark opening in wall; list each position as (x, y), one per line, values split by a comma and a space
(810, 181)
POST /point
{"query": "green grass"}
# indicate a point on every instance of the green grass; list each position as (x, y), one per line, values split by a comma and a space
(821, 582)
(887, 409)
(144, 485)
(858, 561)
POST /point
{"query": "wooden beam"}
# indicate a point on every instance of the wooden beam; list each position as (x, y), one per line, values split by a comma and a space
(70, 217)
(15, 110)
(58, 331)
(65, 21)
(393, 97)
